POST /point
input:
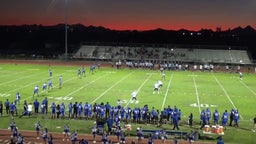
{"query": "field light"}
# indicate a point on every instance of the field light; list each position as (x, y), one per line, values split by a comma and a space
(66, 30)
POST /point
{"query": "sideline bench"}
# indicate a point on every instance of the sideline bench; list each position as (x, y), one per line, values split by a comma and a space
(157, 133)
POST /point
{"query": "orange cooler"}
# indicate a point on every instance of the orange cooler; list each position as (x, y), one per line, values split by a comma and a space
(128, 127)
(214, 129)
(220, 129)
(207, 128)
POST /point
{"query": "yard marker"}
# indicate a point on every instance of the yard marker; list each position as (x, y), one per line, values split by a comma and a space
(197, 96)
(138, 89)
(227, 95)
(111, 87)
(168, 87)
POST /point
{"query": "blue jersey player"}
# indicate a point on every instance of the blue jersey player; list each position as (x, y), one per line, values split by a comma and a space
(50, 72)
(44, 87)
(50, 86)
(83, 71)
(17, 98)
(60, 81)
(225, 119)
(79, 73)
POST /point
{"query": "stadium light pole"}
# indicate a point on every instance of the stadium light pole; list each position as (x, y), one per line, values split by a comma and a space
(66, 30)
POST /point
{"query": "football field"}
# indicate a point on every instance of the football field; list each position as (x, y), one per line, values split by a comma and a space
(190, 91)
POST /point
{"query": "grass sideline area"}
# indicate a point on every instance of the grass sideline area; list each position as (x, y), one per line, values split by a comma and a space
(189, 91)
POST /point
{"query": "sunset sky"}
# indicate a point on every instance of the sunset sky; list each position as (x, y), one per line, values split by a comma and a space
(132, 14)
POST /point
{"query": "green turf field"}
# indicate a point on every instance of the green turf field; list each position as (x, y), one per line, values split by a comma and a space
(189, 91)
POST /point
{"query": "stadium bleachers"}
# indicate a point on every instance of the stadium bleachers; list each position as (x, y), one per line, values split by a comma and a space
(84, 52)
(163, 54)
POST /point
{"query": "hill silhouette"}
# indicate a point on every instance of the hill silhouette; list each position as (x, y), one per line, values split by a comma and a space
(39, 39)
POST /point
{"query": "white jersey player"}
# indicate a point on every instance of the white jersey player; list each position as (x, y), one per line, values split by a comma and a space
(240, 75)
(156, 88)
(134, 95)
(160, 84)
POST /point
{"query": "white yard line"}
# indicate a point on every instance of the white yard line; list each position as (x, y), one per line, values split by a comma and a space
(248, 88)
(197, 95)
(111, 87)
(138, 89)
(53, 87)
(24, 87)
(166, 93)
(10, 73)
(223, 89)
(77, 90)
(25, 77)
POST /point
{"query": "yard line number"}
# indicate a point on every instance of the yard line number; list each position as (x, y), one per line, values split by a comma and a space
(202, 105)
(4, 95)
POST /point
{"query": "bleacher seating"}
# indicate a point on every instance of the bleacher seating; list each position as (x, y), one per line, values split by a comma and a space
(163, 54)
(85, 52)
